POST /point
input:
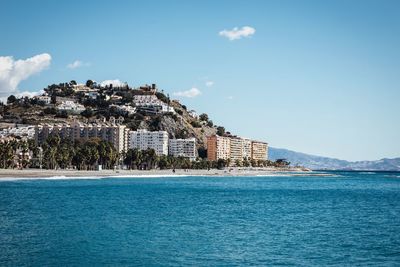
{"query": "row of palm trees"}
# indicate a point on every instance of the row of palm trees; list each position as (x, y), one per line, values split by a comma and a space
(60, 153)
(14, 153)
(81, 154)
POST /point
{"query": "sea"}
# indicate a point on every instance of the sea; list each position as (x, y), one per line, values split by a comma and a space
(343, 219)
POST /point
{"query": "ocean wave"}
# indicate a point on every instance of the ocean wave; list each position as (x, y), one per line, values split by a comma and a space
(63, 177)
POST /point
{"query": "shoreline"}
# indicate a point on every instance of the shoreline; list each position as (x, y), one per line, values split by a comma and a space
(6, 174)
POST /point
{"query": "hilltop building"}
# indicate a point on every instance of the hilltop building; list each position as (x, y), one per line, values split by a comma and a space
(126, 109)
(45, 99)
(71, 106)
(151, 104)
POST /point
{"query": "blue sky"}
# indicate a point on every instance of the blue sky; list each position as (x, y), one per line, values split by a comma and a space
(316, 76)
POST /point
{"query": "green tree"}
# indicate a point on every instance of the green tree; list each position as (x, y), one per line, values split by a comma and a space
(89, 83)
(203, 117)
(220, 130)
(11, 99)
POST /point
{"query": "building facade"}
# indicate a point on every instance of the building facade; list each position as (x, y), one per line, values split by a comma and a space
(259, 150)
(116, 134)
(143, 139)
(236, 150)
(151, 104)
(183, 148)
(218, 147)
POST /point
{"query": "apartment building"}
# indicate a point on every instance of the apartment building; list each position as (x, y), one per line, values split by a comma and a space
(115, 133)
(246, 148)
(259, 150)
(183, 148)
(143, 139)
(218, 147)
(236, 149)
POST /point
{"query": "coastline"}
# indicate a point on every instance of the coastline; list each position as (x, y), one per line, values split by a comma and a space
(6, 174)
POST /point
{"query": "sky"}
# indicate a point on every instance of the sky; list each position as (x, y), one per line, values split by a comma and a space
(319, 77)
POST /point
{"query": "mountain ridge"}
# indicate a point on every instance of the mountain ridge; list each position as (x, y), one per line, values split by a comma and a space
(324, 163)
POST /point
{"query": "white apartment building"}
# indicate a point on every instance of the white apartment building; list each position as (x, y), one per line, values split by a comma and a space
(183, 148)
(151, 104)
(143, 139)
(71, 106)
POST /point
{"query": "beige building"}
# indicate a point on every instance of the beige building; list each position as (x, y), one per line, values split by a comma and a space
(218, 147)
(113, 132)
(236, 150)
(259, 150)
(246, 148)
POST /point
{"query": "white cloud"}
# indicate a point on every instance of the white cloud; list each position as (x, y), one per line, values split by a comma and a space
(236, 33)
(77, 64)
(189, 93)
(115, 83)
(209, 83)
(230, 97)
(12, 72)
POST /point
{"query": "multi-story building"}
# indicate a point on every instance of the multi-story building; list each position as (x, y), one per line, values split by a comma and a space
(259, 150)
(143, 139)
(218, 147)
(183, 148)
(236, 149)
(246, 148)
(113, 132)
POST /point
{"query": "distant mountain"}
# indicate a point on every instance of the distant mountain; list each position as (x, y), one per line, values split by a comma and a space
(317, 162)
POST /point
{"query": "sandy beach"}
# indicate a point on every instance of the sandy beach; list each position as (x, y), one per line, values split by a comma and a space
(60, 174)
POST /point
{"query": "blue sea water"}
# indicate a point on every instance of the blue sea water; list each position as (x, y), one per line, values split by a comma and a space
(348, 219)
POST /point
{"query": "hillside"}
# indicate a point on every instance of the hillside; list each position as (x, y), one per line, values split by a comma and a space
(106, 103)
(318, 162)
